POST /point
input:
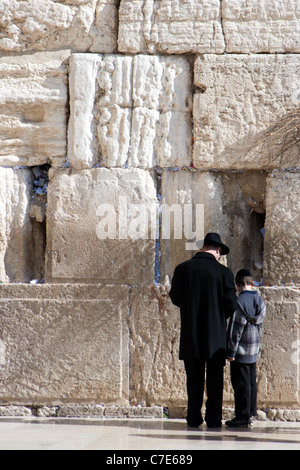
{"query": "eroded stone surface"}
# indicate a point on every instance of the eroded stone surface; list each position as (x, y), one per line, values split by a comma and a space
(278, 362)
(130, 111)
(156, 374)
(240, 97)
(33, 100)
(50, 25)
(201, 26)
(220, 202)
(281, 249)
(278, 368)
(261, 25)
(64, 344)
(71, 344)
(170, 26)
(15, 227)
(101, 226)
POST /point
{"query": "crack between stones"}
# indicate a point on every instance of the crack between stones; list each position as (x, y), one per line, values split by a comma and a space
(222, 25)
(148, 20)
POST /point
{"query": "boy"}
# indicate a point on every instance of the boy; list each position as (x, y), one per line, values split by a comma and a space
(244, 343)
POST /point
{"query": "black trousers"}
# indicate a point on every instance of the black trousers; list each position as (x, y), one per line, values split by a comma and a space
(244, 383)
(195, 375)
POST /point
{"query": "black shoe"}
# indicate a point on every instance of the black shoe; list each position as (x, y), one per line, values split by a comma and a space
(194, 424)
(214, 425)
(237, 423)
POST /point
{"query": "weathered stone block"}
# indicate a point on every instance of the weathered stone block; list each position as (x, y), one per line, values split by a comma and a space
(201, 26)
(80, 411)
(156, 374)
(261, 26)
(64, 344)
(278, 368)
(101, 226)
(130, 111)
(82, 89)
(16, 255)
(33, 100)
(231, 204)
(278, 363)
(282, 242)
(100, 411)
(133, 412)
(240, 100)
(82, 25)
(158, 377)
(15, 411)
(170, 26)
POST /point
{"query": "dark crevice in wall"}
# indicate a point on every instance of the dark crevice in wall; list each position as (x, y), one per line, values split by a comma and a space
(38, 206)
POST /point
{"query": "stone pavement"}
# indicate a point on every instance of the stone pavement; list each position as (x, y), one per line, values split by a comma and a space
(157, 435)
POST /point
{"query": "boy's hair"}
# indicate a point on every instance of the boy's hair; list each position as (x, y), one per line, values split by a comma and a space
(244, 278)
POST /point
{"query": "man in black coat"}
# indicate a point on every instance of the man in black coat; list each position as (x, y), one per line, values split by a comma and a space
(205, 292)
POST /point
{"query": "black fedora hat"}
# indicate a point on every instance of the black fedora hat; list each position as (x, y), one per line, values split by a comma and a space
(215, 240)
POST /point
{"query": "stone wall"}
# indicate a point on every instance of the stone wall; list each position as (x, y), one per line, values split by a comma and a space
(118, 345)
(119, 118)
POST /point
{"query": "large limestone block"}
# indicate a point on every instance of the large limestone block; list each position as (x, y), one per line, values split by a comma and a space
(278, 363)
(83, 25)
(64, 344)
(282, 238)
(170, 26)
(156, 374)
(130, 111)
(194, 203)
(16, 247)
(238, 110)
(179, 27)
(33, 102)
(101, 226)
(278, 367)
(261, 26)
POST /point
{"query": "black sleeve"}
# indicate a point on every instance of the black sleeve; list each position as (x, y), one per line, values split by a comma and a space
(229, 294)
(176, 288)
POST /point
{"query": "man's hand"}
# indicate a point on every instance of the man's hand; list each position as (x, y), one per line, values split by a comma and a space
(230, 359)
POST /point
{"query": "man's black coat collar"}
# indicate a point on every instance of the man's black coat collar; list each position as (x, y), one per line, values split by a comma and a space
(203, 254)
